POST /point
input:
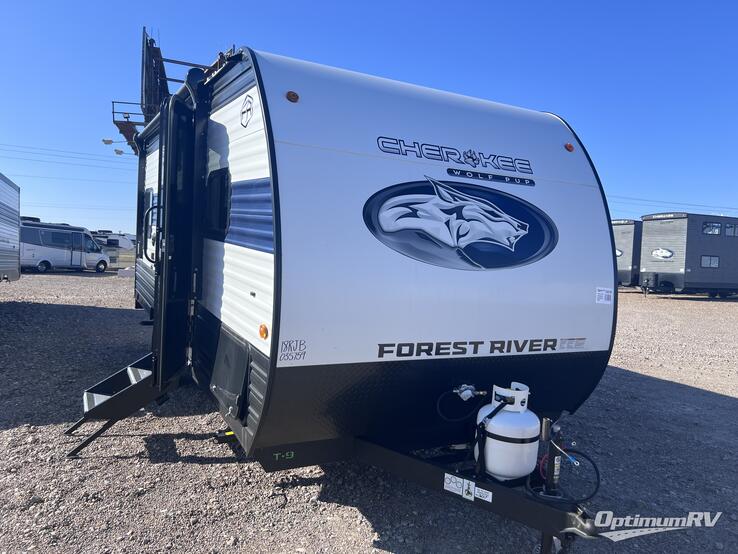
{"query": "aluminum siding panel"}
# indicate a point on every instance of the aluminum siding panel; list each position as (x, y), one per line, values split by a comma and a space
(9, 229)
(667, 234)
(700, 244)
(238, 274)
(144, 268)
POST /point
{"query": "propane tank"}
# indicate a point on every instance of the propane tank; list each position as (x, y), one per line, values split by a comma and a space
(511, 435)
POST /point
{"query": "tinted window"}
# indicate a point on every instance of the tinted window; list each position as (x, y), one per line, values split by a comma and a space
(78, 241)
(710, 261)
(217, 203)
(731, 230)
(56, 239)
(30, 236)
(710, 228)
(91, 245)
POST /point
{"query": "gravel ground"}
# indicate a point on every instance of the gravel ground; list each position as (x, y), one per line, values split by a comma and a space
(660, 425)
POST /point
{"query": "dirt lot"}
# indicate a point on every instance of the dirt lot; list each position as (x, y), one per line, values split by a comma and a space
(661, 426)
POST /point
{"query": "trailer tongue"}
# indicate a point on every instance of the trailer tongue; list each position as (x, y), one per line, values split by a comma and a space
(332, 312)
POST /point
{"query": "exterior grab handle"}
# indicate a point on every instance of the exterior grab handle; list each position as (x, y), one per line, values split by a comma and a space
(147, 226)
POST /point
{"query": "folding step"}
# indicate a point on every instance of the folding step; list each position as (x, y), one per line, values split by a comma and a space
(117, 397)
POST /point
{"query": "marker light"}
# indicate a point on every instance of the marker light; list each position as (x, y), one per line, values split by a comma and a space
(569, 147)
(263, 331)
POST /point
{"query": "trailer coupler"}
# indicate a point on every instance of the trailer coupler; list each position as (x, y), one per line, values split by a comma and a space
(559, 522)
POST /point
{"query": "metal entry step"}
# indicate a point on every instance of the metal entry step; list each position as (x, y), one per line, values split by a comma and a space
(116, 398)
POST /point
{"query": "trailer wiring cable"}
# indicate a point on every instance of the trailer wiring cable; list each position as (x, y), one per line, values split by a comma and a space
(569, 454)
(444, 417)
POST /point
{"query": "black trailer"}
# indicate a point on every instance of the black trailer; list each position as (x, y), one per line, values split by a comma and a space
(627, 234)
(691, 253)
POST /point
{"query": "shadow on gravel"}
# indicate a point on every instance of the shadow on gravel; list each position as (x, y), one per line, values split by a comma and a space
(664, 449)
(702, 299)
(50, 353)
(72, 273)
(162, 449)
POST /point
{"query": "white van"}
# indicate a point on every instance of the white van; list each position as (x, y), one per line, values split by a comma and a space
(46, 246)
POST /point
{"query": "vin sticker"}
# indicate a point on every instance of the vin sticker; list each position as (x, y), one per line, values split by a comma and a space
(603, 295)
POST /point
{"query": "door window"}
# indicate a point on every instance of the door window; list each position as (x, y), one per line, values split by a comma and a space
(78, 242)
(217, 203)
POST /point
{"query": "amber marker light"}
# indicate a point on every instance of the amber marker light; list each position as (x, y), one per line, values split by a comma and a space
(263, 331)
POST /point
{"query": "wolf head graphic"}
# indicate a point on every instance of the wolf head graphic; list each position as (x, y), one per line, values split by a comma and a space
(451, 217)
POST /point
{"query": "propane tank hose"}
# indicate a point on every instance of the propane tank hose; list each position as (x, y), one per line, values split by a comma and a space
(459, 419)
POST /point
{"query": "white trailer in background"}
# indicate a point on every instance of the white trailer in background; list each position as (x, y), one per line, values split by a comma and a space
(9, 230)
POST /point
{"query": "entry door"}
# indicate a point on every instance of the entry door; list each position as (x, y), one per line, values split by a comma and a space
(78, 250)
(173, 260)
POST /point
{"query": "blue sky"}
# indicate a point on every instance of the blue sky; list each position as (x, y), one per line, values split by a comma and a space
(651, 89)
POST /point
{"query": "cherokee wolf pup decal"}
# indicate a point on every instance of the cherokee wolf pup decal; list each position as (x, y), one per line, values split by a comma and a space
(459, 226)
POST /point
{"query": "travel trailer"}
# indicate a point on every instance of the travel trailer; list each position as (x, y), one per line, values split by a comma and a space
(47, 246)
(123, 241)
(340, 258)
(684, 252)
(627, 234)
(9, 230)
(119, 247)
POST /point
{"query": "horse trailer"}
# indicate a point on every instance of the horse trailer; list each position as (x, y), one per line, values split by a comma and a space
(47, 246)
(9, 230)
(627, 234)
(332, 255)
(692, 253)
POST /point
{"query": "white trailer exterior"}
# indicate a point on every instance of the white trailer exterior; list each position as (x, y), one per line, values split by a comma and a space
(9, 230)
(343, 248)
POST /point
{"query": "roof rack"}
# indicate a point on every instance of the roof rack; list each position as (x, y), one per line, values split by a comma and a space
(154, 88)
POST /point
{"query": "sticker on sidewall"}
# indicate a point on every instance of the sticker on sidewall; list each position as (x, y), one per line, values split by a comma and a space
(603, 295)
(453, 484)
(465, 488)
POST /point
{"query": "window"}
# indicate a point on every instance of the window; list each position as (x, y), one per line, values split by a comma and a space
(710, 261)
(217, 203)
(56, 239)
(150, 199)
(731, 229)
(30, 236)
(710, 228)
(78, 241)
(91, 245)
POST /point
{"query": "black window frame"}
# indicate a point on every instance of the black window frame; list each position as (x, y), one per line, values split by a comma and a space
(217, 209)
(34, 240)
(712, 225)
(50, 239)
(95, 247)
(710, 258)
